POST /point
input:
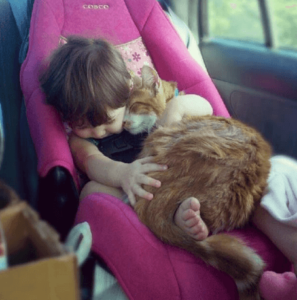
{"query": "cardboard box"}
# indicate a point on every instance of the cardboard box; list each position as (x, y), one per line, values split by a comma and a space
(39, 266)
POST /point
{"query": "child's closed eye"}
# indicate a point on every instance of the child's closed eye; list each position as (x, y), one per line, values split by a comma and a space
(110, 121)
(82, 127)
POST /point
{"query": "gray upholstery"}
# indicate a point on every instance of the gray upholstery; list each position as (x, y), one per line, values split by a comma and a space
(10, 97)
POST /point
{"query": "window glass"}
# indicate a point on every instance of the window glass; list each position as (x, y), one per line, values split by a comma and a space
(235, 19)
(284, 19)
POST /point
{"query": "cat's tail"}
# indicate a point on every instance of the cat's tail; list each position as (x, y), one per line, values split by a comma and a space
(230, 255)
(224, 252)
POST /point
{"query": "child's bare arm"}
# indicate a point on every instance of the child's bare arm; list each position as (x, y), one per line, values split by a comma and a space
(178, 107)
(194, 105)
(104, 170)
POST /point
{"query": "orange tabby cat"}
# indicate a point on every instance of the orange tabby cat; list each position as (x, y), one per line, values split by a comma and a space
(221, 162)
(148, 101)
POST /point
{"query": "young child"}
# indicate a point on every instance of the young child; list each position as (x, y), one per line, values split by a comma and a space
(88, 83)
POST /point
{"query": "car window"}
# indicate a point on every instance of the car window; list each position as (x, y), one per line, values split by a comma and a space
(284, 19)
(235, 19)
(241, 20)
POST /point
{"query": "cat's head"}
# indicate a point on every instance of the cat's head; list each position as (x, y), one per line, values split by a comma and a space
(147, 101)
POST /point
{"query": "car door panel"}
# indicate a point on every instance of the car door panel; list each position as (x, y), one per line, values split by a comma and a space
(273, 116)
(259, 87)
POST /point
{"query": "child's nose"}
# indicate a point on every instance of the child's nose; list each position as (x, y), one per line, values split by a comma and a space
(99, 132)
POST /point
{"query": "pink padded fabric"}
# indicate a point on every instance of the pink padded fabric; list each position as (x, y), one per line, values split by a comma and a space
(148, 269)
(145, 267)
(123, 21)
(135, 56)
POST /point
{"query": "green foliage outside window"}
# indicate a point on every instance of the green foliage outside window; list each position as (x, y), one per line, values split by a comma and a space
(241, 20)
(284, 17)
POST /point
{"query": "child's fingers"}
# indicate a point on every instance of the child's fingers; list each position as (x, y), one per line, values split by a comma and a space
(146, 166)
(153, 167)
(146, 159)
(132, 199)
(142, 193)
(143, 179)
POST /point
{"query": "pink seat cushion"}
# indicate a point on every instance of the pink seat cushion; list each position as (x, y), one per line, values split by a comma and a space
(148, 269)
(120, 22)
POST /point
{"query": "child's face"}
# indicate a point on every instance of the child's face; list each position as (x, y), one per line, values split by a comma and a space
(104, 130)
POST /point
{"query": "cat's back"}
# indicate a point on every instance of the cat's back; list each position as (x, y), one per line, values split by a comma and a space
(222, 162)
(210, 136)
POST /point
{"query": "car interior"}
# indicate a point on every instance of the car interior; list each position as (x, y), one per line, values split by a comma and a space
(252, 65)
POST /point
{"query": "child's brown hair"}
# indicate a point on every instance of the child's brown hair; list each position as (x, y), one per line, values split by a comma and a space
(84, 78)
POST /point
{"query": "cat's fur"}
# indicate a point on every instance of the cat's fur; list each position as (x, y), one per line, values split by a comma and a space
(148, 101)
(224, 164)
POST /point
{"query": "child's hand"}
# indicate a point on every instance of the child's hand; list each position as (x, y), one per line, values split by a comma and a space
(133, 176)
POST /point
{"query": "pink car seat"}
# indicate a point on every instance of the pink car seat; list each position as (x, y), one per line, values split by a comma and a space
(145, 267)
(119, 22)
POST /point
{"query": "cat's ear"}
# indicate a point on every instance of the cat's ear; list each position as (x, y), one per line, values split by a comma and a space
(137, 82)
(151, 80)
